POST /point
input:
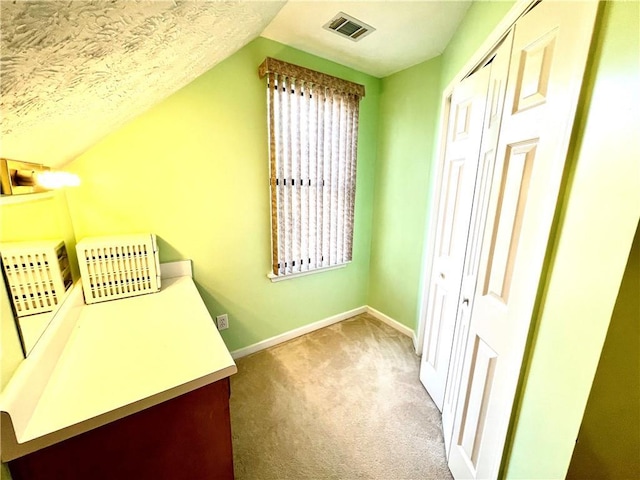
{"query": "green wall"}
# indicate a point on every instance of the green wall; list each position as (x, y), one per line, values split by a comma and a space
(194, 171)
(480, 20)
(599, 214)
(608, 445)
(409, 102)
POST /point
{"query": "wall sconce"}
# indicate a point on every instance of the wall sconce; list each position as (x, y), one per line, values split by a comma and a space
(18, 178)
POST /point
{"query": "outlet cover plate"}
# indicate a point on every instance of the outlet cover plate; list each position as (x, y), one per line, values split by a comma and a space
(222, 321)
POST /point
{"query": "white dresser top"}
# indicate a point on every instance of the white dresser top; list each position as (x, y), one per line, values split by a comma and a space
(123, 356)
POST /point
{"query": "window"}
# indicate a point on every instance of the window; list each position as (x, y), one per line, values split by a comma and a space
(313, 139)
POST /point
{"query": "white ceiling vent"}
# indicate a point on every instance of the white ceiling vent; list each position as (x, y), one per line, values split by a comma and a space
(349, 27)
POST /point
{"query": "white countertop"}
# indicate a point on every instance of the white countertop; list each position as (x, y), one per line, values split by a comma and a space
(123, 356)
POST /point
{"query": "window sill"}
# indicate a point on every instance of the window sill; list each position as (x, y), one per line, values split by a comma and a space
(280, 278)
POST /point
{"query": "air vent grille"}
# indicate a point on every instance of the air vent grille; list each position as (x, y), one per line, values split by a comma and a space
(348, 27)
(118, 267)
(37, 274)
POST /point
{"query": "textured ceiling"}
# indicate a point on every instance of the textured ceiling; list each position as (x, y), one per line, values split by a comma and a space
(73, 71)
(407, 32)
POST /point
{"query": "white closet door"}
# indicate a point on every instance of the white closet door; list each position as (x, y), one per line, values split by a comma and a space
(464, 134)
(487, 158)
(550, 48)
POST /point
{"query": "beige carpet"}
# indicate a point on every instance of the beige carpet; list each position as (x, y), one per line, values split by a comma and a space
(343, 402)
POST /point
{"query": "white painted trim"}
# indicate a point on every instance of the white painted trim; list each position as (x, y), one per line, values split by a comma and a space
(280, 278)
(297, 332)
(181, 268)
(312, 327)
(417, 347)
(391, 322)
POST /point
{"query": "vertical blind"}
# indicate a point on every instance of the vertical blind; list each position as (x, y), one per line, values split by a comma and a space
(313, 139)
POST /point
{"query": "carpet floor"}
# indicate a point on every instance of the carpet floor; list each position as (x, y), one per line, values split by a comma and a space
(343, 402)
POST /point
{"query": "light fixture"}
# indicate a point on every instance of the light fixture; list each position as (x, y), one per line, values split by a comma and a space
(54, 179)
(17, 177)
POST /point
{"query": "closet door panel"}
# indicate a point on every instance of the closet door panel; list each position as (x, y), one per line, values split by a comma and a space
(467, 113)
(474, 413)
(484, 177)
(512, 202)
(549, 54)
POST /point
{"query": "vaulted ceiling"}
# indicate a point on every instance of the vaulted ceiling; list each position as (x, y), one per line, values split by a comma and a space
(74, 71)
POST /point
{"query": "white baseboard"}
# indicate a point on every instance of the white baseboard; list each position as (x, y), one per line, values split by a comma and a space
(390, 321)
(297, 332)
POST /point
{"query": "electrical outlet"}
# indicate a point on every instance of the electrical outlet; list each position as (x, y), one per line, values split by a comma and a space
(222, 321)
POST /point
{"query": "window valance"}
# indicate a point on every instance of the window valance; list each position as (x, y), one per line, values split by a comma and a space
(278, 67)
